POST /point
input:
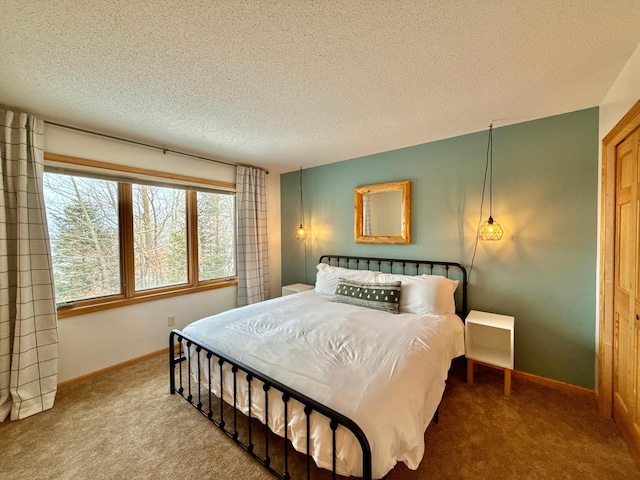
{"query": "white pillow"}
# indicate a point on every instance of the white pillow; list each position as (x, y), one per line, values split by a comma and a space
(424, 293)
(328, 277)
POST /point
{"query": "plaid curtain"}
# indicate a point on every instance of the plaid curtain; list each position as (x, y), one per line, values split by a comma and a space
(253, 258)
(28, 322)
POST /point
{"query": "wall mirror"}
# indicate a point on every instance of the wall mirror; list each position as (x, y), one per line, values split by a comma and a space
(382, 213)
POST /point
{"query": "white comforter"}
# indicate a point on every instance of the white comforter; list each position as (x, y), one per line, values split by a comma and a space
(386, 372)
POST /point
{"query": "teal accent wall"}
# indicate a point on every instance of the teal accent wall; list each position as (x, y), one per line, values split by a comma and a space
(545, 191)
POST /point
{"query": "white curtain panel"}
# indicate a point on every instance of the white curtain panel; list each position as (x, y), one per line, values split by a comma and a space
(28, 322)
(253, 259)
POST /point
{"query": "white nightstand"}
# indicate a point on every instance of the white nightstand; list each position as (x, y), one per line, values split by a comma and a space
(489, 340)
(295, 288)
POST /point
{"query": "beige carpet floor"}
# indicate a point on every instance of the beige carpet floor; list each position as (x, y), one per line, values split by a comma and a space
(125, 425)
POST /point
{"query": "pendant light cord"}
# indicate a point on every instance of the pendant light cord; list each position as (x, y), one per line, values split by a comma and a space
(301, 200)
(488, 161)
(306, 276)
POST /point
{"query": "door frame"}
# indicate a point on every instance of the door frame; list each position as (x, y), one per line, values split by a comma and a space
(606, 317)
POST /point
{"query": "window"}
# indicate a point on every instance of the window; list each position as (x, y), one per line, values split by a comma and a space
(82, 214)
(216, 236)
(159, 236)
(118, 242)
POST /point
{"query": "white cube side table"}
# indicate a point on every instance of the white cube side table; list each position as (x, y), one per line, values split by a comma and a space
(489, 340)
(295, 288)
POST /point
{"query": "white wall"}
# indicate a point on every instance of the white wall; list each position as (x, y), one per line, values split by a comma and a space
(622, 95)
(98, 340)
(273, 230)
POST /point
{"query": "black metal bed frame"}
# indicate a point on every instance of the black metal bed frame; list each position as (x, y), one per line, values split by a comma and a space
(192, 390)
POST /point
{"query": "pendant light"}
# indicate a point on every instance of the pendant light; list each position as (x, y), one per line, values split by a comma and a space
(490, 229)
(301, 233)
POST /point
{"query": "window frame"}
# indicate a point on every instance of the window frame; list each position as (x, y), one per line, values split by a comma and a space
(63, 164)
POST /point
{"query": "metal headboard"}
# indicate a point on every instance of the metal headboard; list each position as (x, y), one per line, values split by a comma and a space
(452, 270)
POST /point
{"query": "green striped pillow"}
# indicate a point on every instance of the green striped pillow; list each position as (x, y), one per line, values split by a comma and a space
(379, 296)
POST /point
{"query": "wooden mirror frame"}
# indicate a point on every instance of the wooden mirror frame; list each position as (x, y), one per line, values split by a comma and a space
(405, 189)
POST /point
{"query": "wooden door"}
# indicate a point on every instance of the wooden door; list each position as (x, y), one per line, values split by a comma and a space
(626, 362)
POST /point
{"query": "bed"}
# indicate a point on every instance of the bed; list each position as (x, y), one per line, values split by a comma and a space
(348, 381)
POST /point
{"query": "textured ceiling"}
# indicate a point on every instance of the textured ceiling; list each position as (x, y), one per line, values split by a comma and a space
(283, 84)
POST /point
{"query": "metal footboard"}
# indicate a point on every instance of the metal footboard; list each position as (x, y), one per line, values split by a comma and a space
(181, 349)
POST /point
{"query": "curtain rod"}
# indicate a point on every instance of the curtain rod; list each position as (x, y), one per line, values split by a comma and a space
(164, 150)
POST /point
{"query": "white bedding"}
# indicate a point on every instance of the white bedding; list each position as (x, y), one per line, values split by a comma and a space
(385, 372)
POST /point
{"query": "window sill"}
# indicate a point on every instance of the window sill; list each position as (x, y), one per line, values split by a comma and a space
(107, 303)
